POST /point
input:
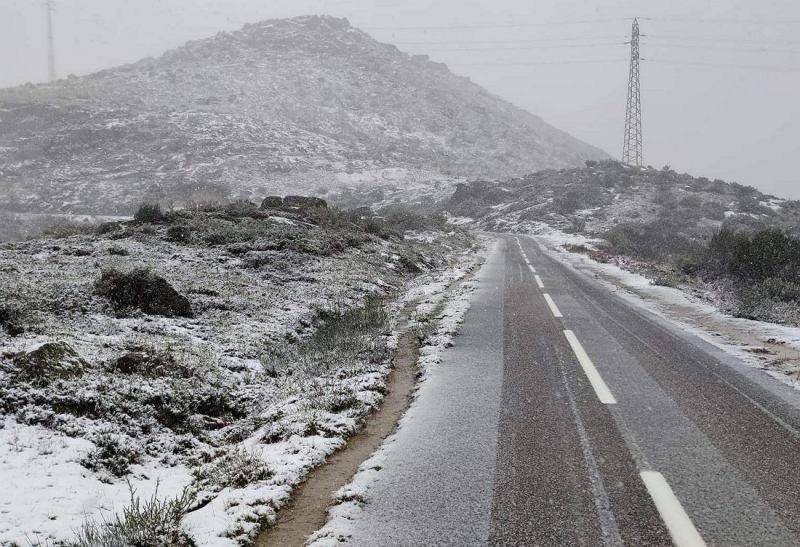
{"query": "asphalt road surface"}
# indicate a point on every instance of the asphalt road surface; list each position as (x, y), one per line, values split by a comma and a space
(566, 416)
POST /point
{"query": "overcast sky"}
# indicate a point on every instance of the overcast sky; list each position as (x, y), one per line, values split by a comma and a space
(739, 123)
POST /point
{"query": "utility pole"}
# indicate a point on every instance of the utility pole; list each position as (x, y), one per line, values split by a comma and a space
(51, 47)
(632, 149)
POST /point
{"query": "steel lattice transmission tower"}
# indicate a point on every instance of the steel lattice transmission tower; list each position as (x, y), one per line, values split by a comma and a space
(51, 47)
(632, 150)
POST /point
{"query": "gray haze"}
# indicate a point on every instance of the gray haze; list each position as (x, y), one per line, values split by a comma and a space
(737, 123)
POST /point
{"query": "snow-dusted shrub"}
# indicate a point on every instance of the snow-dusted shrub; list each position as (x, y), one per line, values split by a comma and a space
(241, 209)
(143, 289)
(116, 250)
(47, 362)
(112, 453)
(713, 210)
(150, 523)
(149, 362)
(179, 234)
(148, 212)
(12, 317)
(235, 469)
(68, 228)
(691, 202)
(580, 197)
(661, 238)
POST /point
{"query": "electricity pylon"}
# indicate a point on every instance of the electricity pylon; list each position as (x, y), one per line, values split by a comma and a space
(632, 149)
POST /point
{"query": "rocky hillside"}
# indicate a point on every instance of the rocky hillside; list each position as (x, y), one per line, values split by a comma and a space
(279, 104)
(603, 195)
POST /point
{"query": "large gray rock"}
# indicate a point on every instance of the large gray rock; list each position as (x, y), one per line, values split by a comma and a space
(303, 202)
(272, 202)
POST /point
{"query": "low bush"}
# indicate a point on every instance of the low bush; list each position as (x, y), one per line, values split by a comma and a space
(67, 228)
(111, 453)
(713, 210)
(580, 248)
(148, 212)
(151, 363)
(141, 288)
(47, 362)
(580, 197)
(179, 234)
(12, 317)
(342, 338)
(153, 522)
(769, 253)
(236, 469)
(660, 238)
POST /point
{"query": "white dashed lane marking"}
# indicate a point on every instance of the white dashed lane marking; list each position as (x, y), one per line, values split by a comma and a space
(553, 307)
(600, 387)
(680, 526)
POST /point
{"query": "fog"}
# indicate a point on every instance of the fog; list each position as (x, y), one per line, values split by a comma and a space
(727, 109)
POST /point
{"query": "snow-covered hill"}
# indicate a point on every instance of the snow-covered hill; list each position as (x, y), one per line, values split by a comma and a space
(252, 112)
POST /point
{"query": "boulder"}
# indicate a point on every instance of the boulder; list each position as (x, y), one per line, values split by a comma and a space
(303, 202)
(272, 202)
(46, 362)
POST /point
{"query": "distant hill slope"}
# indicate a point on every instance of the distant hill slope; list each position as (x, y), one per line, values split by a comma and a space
(256, 110)
(603, 195)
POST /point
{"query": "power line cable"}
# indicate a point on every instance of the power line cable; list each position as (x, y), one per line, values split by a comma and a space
(538, 63)
(717, 48)
(542, 40)
(721, 65)
(511, 25)
(726, 20)
(524, 48)
(708, 39)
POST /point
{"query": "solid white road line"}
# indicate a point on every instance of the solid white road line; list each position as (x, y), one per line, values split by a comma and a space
(600, 387)
(552, 305)
(680, 526)
(539, 281)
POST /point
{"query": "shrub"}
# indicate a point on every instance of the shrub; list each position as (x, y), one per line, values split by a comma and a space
(242, 208)
(141, 288)
(573, 248)
(111, 453)
(769, 253)
(691, 202)
(179, 234)
(118, 251)
(236, 469)
(579, 197)
(713, 210)
(341, 338)
(148, 212)
(150, 523)
(44, 363)
(152, 363)
(657, 239)
(67, 228)
(577, 226)
(12, 318)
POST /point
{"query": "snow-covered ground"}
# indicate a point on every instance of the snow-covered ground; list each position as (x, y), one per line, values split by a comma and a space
(281, 426)
(773, 348)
